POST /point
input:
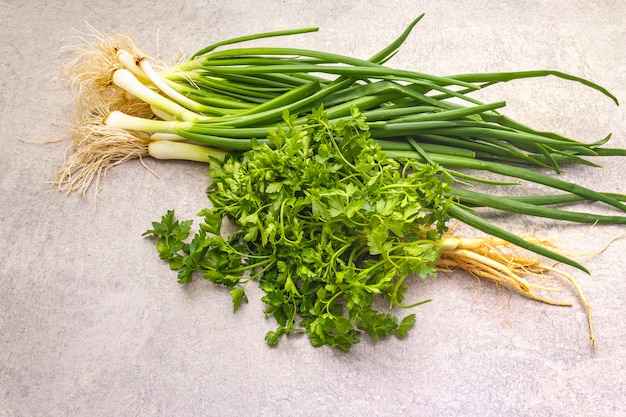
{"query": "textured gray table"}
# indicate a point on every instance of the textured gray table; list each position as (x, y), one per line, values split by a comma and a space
(93, 324)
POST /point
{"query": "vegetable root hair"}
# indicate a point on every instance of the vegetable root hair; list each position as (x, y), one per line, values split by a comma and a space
(89, 75)
(501, 262)
(96, 148)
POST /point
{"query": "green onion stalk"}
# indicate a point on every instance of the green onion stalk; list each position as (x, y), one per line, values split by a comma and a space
(227, 97)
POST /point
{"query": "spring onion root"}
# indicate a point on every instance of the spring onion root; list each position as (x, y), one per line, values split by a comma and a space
(98, 147)
(89, 76)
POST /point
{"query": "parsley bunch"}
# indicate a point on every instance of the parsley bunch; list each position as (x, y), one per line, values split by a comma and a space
(326, 223)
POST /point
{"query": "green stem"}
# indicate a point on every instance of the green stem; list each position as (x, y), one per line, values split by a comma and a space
(476, 222)
(515, 172)
(516, 206)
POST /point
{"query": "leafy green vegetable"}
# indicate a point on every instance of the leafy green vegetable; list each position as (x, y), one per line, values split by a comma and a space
(172, 234)
(327, 225)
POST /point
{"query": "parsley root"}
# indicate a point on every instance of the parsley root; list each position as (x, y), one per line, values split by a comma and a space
(497, 260)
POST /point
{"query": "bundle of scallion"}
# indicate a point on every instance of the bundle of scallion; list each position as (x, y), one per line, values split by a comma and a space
(225, 100)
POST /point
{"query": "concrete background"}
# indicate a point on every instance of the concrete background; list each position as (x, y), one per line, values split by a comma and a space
(93, 324)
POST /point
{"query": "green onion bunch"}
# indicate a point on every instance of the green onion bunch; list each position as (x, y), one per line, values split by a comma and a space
(225, 98)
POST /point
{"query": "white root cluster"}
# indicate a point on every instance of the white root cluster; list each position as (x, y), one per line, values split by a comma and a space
(501, 262)
(95, 146)
(89, 76)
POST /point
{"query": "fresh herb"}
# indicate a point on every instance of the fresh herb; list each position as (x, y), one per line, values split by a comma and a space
(327, 225)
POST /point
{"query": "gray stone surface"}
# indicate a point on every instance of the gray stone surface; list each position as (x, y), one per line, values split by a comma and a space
(93, 324)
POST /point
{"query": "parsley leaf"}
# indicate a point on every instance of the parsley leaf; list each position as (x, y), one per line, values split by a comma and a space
(326, 224)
